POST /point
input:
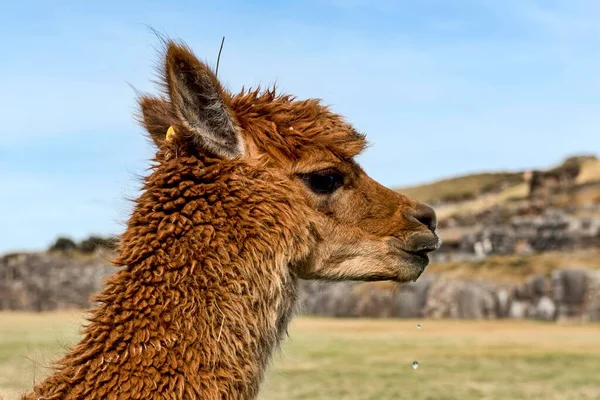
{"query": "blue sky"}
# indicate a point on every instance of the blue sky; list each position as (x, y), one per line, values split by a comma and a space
(440, 87)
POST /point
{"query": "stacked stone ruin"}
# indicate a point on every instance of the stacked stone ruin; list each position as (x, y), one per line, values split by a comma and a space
(553, 230)
(568, 294)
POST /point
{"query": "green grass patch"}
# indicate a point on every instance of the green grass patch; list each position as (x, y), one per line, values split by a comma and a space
(371, 359)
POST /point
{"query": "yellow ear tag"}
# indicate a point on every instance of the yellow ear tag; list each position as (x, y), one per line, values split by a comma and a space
(170, 133)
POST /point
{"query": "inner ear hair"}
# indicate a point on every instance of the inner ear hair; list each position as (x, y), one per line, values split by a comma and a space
(200, 104)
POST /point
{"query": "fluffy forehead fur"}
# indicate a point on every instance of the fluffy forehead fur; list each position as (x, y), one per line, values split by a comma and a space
(281, 126)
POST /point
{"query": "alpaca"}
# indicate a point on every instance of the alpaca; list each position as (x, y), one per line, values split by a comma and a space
(247, 194)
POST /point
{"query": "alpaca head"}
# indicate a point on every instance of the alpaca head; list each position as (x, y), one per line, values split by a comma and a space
(362, 230)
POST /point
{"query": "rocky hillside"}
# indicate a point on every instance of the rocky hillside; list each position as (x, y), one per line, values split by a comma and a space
(517, 213)
(573, 171)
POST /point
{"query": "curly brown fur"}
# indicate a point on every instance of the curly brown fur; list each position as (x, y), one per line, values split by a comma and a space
(224, 228)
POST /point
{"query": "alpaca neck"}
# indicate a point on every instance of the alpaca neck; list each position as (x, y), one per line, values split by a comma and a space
(195, 337)
(206, 295)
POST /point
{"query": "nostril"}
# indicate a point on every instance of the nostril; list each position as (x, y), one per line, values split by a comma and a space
(426, 216)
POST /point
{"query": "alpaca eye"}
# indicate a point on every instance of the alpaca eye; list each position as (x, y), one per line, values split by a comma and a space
(323, 182)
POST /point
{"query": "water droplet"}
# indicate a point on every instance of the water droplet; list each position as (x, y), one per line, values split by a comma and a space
(418, 326)
(415, 365)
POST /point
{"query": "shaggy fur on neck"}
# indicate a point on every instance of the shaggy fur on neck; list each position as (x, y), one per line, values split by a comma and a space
(206, 292)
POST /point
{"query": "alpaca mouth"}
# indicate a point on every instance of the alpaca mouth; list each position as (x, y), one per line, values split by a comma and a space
(415, 259)
(419, 248)
(413, 263)
(421, 255)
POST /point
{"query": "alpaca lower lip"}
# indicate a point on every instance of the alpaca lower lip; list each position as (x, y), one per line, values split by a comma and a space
(414, 263)
(419, 256)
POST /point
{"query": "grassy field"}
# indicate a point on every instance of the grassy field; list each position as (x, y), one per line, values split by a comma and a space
(372, 359)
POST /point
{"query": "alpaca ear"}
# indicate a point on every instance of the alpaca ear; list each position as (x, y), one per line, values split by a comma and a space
(157, 116)
(199, 102)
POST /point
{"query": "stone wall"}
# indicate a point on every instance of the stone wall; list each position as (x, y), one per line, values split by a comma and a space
(568, 294)
(52, 281)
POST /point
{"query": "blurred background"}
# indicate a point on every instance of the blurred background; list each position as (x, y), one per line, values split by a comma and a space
(487, 110)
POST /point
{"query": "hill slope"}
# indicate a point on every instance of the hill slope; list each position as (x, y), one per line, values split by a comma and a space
(575, 182)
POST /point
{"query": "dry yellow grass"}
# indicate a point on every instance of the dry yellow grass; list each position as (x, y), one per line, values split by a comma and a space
(372, 359)
(29, 342)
